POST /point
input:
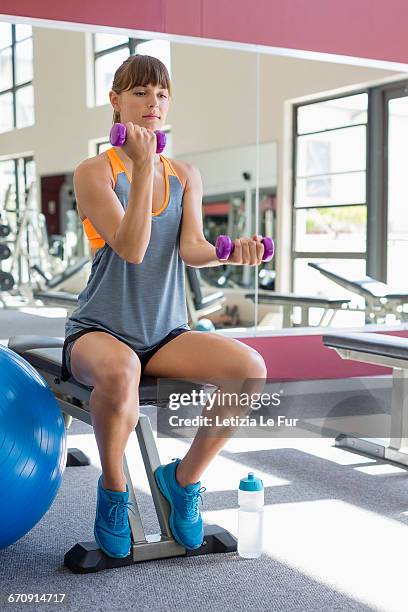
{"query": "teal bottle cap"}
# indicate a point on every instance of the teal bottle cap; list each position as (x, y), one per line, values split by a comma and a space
(251, 483)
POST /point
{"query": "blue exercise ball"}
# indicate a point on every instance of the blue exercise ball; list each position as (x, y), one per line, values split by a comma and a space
(33, 447)
(205, 325)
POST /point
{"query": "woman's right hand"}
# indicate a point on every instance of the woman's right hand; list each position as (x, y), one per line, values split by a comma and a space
(140, 145)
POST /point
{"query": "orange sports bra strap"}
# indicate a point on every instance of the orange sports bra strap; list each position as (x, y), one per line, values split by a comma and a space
(170, 168)
(94, 238)
(116, 163)
(118, 166)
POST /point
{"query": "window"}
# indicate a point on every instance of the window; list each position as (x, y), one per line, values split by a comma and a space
(329, 188)
(102, 146)
(16, 77)
(111, 50)
(395, 138)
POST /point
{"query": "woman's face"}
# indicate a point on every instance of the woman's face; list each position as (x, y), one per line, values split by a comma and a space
(136, 104)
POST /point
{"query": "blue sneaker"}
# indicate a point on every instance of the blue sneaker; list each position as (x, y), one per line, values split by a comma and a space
(112, 529)
(186, 523)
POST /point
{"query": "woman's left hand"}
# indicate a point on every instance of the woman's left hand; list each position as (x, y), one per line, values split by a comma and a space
(247, 252)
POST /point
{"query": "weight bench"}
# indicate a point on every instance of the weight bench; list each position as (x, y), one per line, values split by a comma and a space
(53, 282)
(57, 298)
(305, 302)
(45, 355)
(199, 305)
(380, 298)
(51, 295)
(387, 351)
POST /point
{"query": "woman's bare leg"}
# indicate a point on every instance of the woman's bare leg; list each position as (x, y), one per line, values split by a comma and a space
(227, 363)
(113, 369)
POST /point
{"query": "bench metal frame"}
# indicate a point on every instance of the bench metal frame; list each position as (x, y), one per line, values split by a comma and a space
(85, 557)
(396, 449)
(289, 301)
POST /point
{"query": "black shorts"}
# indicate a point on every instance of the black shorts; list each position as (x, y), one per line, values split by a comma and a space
(144, 357)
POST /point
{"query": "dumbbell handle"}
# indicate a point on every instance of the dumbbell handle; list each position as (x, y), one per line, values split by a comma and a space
(118, 134)
(224, 247)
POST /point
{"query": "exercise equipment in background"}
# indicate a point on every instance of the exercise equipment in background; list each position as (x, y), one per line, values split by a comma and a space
(53, 289)
(225, 247)
(30, 244)
(381, 300)
(26, 239)
(6, 283)
(33, 270)
(304, 303)
(198, 304)
(118, 135)
(6, 279)
(32, 447)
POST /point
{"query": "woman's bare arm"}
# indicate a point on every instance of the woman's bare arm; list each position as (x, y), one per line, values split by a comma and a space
(127, 233)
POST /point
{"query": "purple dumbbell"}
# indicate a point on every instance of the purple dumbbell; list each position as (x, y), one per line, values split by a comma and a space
(224, 247)
(117, 137)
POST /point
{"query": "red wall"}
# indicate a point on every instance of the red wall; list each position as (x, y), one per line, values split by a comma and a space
(306, 357)
(50, 190)
(364, 28)
(374, 29)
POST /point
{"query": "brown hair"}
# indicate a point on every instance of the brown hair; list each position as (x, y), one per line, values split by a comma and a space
(140, 70)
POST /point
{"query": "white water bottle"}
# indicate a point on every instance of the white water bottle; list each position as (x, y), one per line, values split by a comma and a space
(250, 516)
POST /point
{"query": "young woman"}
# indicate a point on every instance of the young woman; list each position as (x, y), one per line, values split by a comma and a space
(143, 216)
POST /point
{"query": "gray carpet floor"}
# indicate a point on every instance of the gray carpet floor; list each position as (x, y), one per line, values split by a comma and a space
(336, 530)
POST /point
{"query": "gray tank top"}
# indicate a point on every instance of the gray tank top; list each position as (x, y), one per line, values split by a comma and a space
(139, 304)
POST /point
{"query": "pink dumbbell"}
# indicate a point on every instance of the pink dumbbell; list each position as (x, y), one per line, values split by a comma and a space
(117, 137)
(224, 247)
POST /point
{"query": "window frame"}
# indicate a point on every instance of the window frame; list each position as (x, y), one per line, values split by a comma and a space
(376, 177)
(295, 135)
(14, 88)
(385, 93)
(131, 44)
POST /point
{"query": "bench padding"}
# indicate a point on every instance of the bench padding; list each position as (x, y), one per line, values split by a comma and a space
(363, 285)
(297, 299)
(376, 344)
(45, 353)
